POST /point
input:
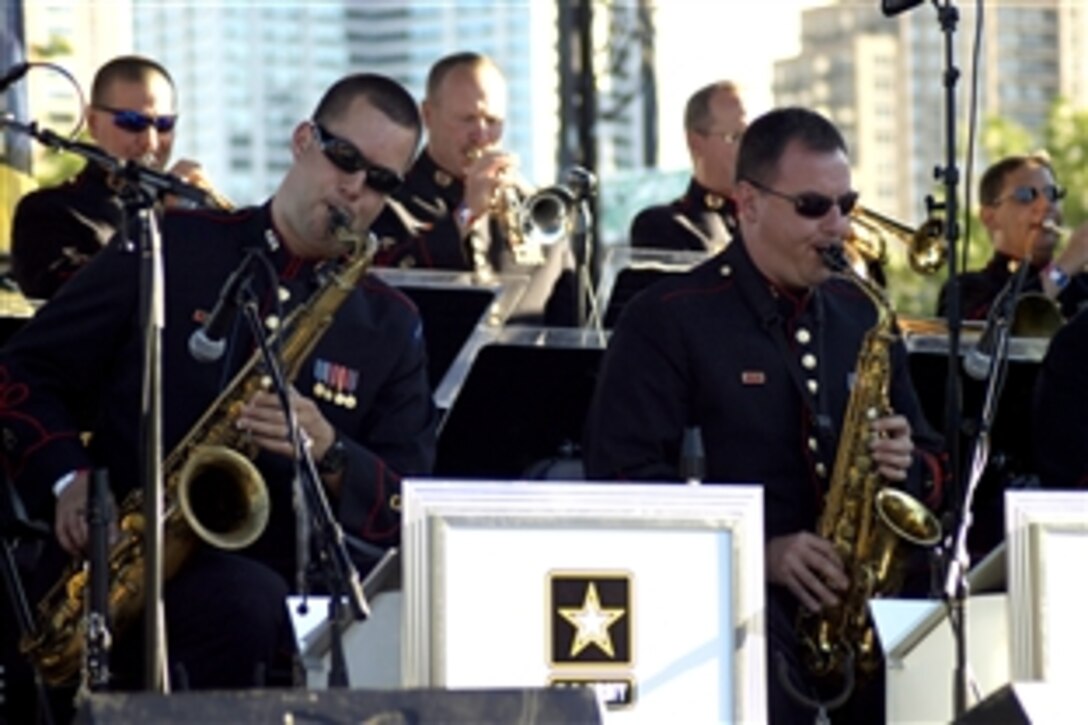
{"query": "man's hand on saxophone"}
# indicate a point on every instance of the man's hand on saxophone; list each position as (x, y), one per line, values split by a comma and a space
(892, 447)
(809, 567)
(264, 419)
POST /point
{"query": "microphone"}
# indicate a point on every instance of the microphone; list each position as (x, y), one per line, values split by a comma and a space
(14, 74)
(894, 7)
(208, 342)
(976, 361)
(692, 456)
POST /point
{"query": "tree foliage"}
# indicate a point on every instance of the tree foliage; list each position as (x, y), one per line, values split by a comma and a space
(1064, 138)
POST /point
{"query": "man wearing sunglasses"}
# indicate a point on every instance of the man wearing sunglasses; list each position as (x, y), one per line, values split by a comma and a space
(1019, 198)
(702, 218)
(756, 348)
(132, 117)
(361, 398)
(445, 216)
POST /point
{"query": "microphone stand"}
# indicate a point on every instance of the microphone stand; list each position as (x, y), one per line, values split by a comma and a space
(955, 585)
(340, 575)
(99, 640)
(140, 188)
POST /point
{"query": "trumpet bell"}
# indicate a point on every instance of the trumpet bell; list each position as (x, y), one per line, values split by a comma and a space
(926, 247)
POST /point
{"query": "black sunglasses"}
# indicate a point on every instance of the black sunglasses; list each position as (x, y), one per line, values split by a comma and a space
(136, 122)
(809, 204)
(345, 156)
(1027, 194)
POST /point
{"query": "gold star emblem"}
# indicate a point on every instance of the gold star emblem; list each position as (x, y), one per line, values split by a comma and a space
(591, 623)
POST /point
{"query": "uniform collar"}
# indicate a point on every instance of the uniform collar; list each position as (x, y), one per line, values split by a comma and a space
(770, 304)
(701, 198)
(426, 174)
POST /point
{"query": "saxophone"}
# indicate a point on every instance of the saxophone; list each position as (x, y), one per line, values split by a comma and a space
(865, 519)
(212, 490)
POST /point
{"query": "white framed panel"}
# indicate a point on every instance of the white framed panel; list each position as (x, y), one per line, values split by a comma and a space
(1047, 536)
(487, 565)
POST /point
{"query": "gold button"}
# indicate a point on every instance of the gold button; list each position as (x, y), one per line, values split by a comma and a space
(803, 336)
(821, 470)
(284, 294)
(726, 270)
(713, 201)
(808, 361)
(813, 386)
(442, 178)
(272, 323)
(394, 502)
(813, 445)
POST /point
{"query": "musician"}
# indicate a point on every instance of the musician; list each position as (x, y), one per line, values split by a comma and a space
(1059, 423)
(132, 116)
(1019, 199)
(757, 348)
(704, 217)
(361, 397)
(452, 194)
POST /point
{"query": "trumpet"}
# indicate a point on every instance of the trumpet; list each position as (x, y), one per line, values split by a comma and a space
(530, 219)
(926, 246)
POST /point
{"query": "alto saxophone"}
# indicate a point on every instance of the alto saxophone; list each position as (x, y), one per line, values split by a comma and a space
(865, 519)
(212, 491)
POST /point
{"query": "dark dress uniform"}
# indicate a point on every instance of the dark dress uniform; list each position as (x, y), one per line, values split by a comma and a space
(766, 376)
(77, 366)
(56, 231)
(1060, 418)
(430, 239)
(979, 289)
(700, 221)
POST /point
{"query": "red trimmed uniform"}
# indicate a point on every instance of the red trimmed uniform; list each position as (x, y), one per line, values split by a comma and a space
(980, 288)
(702, 349)
(77, 367)
(700, 221)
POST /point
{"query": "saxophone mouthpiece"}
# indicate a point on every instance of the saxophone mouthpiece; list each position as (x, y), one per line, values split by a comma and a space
(835, 258)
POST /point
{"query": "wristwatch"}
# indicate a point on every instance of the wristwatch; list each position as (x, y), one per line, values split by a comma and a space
(335, 459)
(1058, 276)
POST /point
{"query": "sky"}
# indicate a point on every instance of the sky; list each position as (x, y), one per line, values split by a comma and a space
(701, 41)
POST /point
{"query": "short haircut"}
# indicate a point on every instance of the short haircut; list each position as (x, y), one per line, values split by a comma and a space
(444, 66)
(993, 180)
(697, 116)
(126, 68)
(766, 139)
(384, 93)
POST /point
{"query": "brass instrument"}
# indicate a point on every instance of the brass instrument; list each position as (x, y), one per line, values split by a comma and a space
(212, 490)
(926, 247)
(531, 219)
(865, 519)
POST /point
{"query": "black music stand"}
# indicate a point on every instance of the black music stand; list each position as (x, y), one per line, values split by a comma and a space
(626, 271)
(522, 405)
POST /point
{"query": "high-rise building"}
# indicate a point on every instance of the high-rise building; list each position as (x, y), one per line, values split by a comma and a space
(883, 81)
(246, 74)
(247, 71)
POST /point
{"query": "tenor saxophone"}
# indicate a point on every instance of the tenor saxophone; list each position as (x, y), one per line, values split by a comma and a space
(867, 520)
(212, 491)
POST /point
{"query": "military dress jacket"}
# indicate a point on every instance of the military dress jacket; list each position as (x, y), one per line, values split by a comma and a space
(715, 348)
(77, 367)
(700, 220)
(55, 231)
(1060, 417)
(979, 289)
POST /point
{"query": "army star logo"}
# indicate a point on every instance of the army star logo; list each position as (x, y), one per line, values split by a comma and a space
(591, 618)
